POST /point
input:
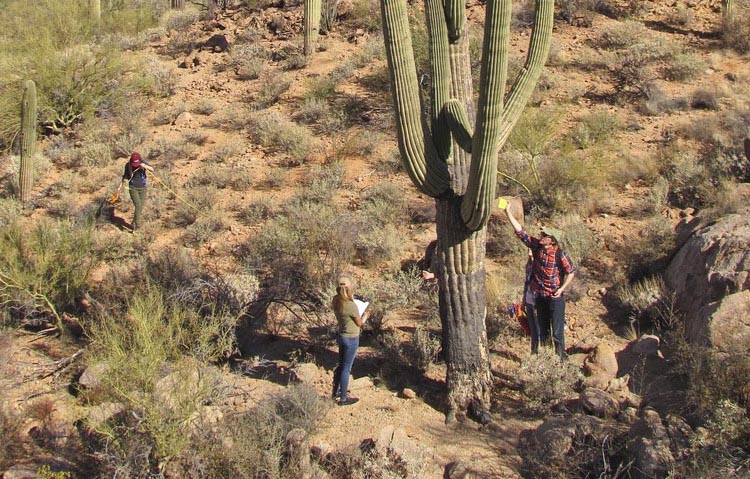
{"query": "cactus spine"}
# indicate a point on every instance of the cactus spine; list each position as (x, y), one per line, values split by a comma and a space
(312, 25)
(28, 140)
(464, 187)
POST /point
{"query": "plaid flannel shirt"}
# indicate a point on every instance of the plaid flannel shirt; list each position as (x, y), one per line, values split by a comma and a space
(545, 276)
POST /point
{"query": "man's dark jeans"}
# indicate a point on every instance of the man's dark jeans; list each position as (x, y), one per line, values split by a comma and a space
(347, 353)
(551, 315)
(530, 311)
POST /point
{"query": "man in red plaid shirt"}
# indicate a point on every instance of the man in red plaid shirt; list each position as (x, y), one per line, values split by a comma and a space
(545, 284)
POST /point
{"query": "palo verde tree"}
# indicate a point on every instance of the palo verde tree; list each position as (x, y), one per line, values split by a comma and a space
(454, 160)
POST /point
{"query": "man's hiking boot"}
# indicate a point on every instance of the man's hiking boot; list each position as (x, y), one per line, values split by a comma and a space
(348, 401)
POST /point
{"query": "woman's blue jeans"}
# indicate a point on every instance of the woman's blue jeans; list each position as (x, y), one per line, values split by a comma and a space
(347, 352)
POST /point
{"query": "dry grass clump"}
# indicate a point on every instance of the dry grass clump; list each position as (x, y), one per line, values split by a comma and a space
(11, 430)
(255, 212)
(272, 87)
(736, 31)
(205, 227)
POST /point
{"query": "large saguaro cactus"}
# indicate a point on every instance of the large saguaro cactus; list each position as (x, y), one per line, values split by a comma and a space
(463, 186)
(28, 140)
(312, 25)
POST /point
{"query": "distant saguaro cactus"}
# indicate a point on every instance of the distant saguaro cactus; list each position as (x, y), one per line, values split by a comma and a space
(727, 9)
(463, 186)
(28, 140)
(312, 26)
(96, 9)
(178, 4)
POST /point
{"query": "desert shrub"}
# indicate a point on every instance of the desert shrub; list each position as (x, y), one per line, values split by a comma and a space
(198, 199)
(205, 227)
(736, 31)
(196, 138)
(322, 183)
(425, 348)
(44, 267)
(324, 87)
(222, 176)
(10, 210)
(167, 116)
(377, 245)
(546, 380)
(657, 102)
(204, 106)
(11, 427)
(648, 253)
(179, 19)
(596, 128)
(621, 35)
(270, 90)
(254, 444)
(649, 302)
(313, 110)
(383, 204)
(248, 60)
(272, 130)
(355, 143)
(705, 99)
(681, 15)
(365, 14)
(223, 153)
(255, 212)
(167, 151)
(229, 119)
(685, 66)
(724, 450)
(303, 249)
(157, 79)
(93, 154)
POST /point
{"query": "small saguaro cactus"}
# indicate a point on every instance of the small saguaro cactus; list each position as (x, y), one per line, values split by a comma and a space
(28, 140)
(312, 25)
(454, 160)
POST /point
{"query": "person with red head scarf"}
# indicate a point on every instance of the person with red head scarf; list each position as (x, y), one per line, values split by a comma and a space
(135, 177)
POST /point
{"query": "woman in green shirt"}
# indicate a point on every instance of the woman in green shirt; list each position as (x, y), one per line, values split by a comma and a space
(349, 324)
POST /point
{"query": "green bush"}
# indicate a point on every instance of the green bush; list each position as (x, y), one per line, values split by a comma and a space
(44, 267)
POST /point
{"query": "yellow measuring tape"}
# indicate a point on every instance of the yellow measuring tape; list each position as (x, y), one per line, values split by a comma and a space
(172, 191)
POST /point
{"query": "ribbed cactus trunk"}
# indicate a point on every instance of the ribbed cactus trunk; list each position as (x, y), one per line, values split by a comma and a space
(311, 26)
(727, 9)
(178, 4)
(454, 159)
(28, 141)
(96, 9)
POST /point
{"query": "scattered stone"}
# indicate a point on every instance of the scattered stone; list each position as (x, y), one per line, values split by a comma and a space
(456, 470)
(647, 344)
(183, 119)
(601, 360)
(101, 413)
(360, 383)
(650, 446)
(599, 403)
(305, 373)
(216, 44)
(92, 376)
(393, 444)
(407, 393)
(679, 432)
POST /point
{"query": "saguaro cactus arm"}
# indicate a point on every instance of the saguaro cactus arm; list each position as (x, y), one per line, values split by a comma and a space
(427, 170)
(495, 126)
(28, 140)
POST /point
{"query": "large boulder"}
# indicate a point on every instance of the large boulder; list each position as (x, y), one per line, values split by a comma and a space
(712, 265)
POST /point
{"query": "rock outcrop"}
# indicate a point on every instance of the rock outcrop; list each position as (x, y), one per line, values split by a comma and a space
(711, 276)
